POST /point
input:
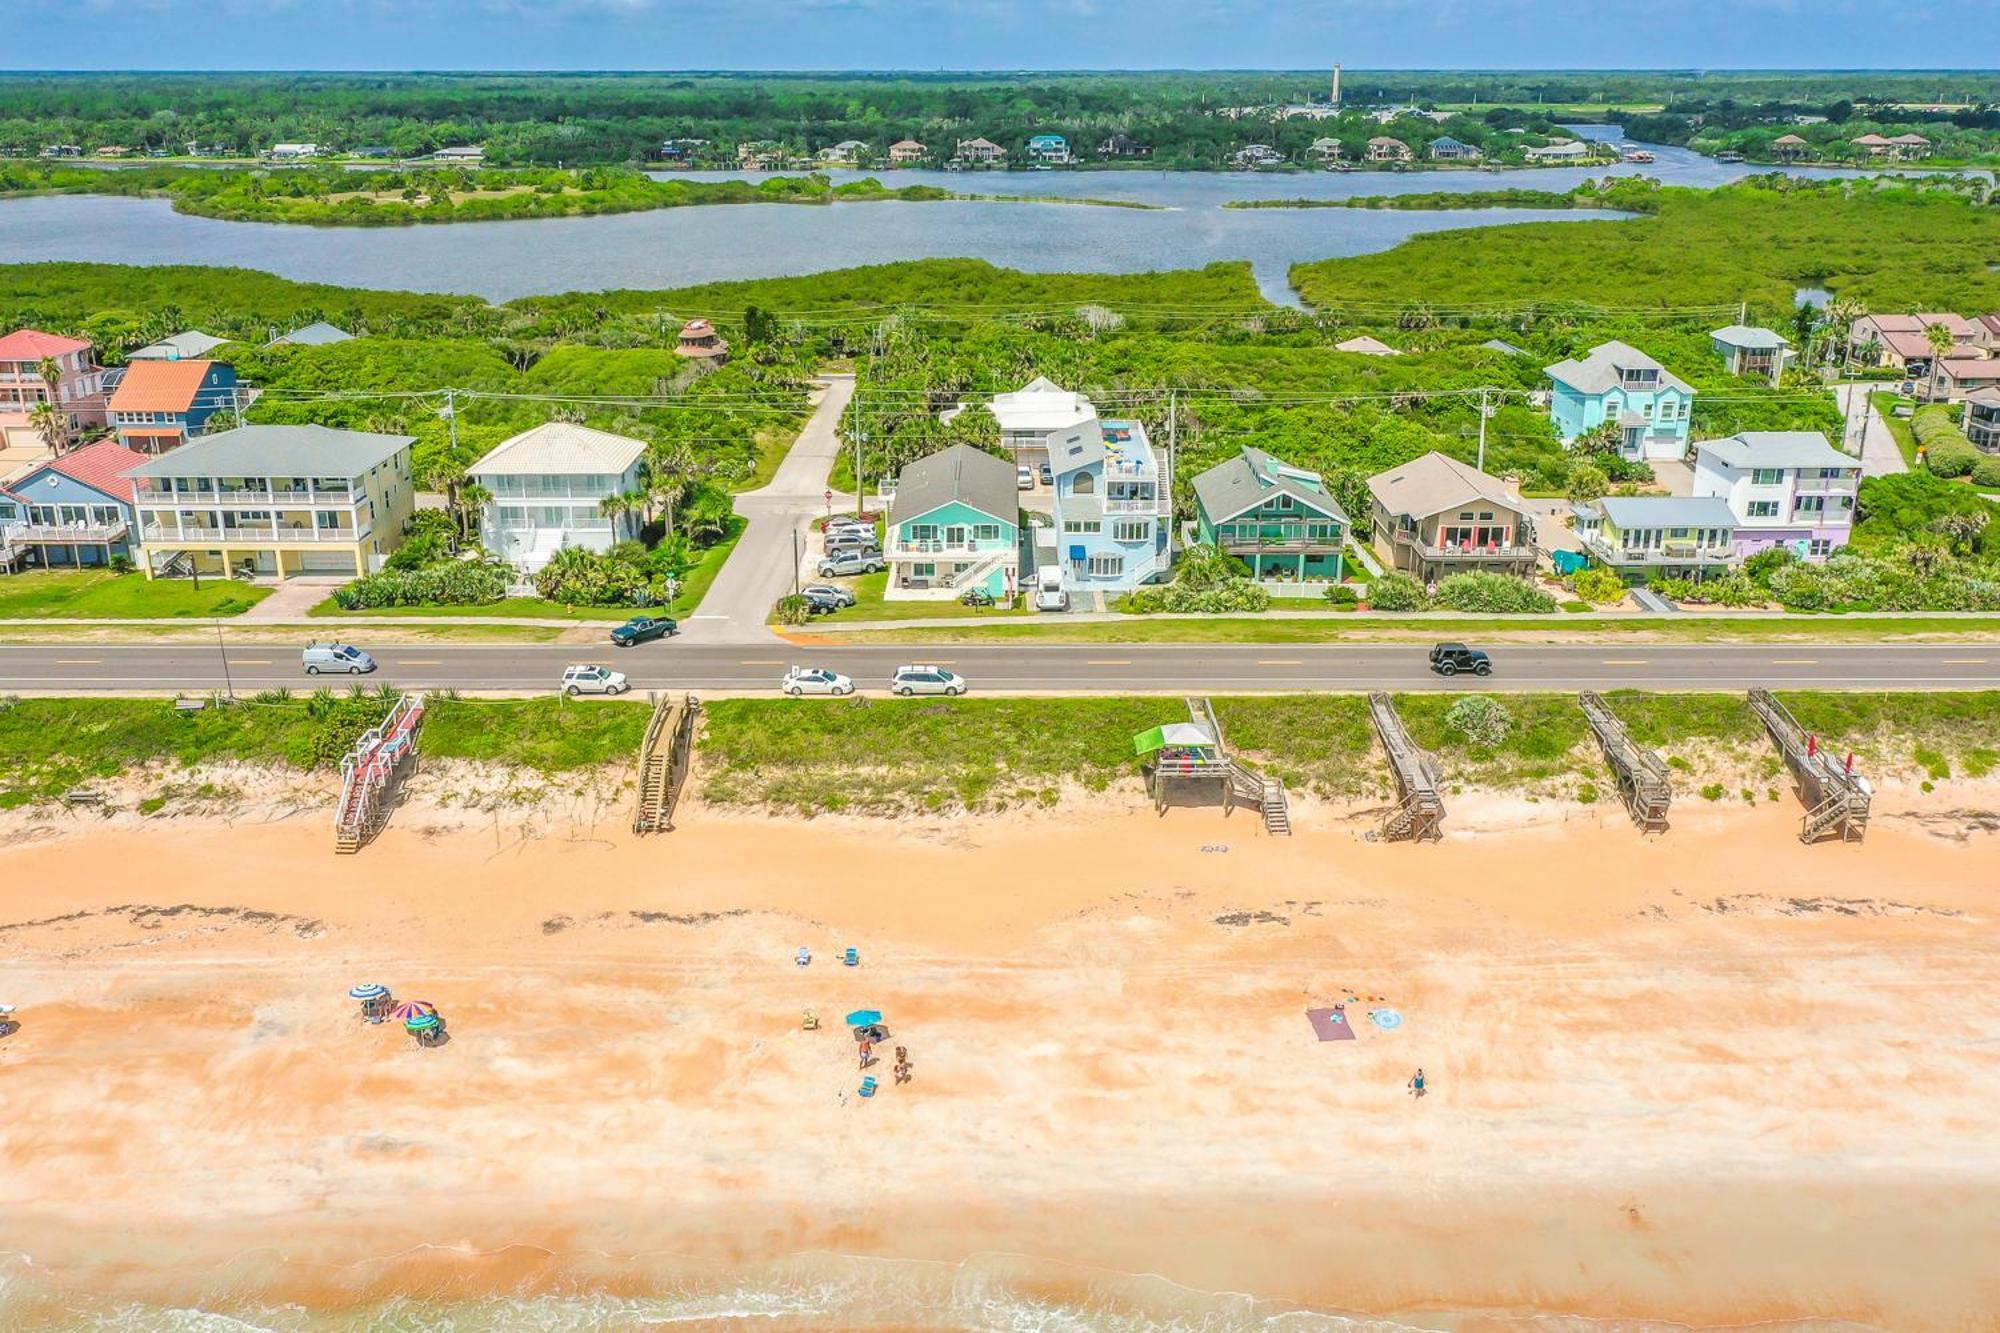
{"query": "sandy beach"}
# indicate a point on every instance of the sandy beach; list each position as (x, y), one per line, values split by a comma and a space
(1710, 1079)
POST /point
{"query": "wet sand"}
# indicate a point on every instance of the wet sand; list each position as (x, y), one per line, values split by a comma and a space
(1711, 1078)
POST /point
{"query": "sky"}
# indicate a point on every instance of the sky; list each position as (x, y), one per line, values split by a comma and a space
(997, 34)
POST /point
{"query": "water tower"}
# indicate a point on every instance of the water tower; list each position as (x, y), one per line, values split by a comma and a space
(1336, 86)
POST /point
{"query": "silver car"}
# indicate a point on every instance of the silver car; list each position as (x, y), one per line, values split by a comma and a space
(926, 680)
(851, 562)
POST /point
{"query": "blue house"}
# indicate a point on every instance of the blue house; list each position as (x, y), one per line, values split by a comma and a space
(1651, 406)
(1050, 149)
(1112, 508)
(955, 526)
(161, 405)
(71, 512)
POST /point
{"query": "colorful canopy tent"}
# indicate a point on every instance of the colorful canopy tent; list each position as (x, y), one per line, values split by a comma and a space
(1177, 735)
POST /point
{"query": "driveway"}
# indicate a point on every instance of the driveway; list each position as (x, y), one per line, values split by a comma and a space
(761, 568)
(291, 599)
(1868, 434)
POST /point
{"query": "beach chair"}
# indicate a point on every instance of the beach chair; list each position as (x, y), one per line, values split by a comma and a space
(804, 957)
(810, 1022)
(852, 958)
(868, 1086)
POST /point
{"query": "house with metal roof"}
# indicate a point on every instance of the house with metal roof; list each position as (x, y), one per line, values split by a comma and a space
(317, 334)
(73, 511)
(1752, 351)
(1616, 382)
(1643, 537)
(186, 346)
(548, 487)
(1435, 516)
(1049, 149)
(1785, 487)
(1042, 419)
(160, 405)
(275, 501)
(955, 526)
(1444, 148)
(1113, 508)
(1280, 520)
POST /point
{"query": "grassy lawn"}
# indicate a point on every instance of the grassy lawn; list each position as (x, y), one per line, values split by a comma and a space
(100, 593)
(870, 603)
(51, 745)
(1374, 628)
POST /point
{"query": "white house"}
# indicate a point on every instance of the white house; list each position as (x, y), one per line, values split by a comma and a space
(548, 486)
(1786, 488)
(1041, 420)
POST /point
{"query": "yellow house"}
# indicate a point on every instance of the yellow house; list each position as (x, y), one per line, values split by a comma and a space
(275, 501)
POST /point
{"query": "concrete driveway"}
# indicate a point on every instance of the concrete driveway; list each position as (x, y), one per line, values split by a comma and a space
(1879, 455)
(761, 568)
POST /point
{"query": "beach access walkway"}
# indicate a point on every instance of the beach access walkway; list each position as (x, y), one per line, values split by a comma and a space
(762, 567)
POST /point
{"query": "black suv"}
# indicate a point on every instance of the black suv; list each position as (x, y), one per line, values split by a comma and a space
(1448, 659)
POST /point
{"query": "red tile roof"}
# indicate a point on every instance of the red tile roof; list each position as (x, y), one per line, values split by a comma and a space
(33, 345)
(102, 465)
(159, 386)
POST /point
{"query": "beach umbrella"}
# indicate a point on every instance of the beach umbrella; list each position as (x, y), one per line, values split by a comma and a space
(1386, 1019)
(864, 1018)
(371, 991)
(422, 1022)
(410, 1009)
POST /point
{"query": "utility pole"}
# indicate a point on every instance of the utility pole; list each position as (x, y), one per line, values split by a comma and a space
(1482, 431)
(860, 439)
(451, 416)
(228, 681)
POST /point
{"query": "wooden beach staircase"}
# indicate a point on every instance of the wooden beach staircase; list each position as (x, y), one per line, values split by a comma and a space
(1642, 775)
(1835, 796)
(663, 761)
(1245, 783)
(372, 773)
(1418, 815)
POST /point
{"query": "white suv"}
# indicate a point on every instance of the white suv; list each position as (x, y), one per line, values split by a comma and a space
(593, 680)
(926, 680)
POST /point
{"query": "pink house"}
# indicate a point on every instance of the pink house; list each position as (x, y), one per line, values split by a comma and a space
(79, 388)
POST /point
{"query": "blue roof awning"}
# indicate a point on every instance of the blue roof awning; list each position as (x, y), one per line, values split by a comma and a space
(1077, 553)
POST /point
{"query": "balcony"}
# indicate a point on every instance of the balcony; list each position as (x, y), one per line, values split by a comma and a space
(1511, 553)
(1131, 504)
(61, 534)
(203, 535)
(1666, 553)
(248, 496)
(935, 546)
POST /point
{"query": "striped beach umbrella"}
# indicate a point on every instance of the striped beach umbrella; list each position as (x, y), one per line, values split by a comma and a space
(422, 1023)
(410, 1009)
(371, 991)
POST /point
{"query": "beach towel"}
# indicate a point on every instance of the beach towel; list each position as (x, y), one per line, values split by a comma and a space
(1330, 1024)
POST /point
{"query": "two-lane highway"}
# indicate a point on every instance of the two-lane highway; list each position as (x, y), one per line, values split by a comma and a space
(1026, 668)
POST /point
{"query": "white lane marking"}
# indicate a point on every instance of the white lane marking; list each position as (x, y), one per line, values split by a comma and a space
(762, 661)
(1280, 661)
(1795, 661)
(1108, 661)
(78, 661)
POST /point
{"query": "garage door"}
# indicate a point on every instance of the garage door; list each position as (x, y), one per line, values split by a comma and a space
(326, 562)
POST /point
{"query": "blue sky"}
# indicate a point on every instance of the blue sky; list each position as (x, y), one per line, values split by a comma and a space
(996, 34)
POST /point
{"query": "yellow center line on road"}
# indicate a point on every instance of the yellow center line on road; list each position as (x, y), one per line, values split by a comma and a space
(1109, 661)
(763, 661)
(78, 661)
(1280, 661)
(251, 661)
(1624, 661)
(1962, 661)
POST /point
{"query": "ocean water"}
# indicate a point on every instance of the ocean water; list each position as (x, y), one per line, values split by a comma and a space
(987, 1294)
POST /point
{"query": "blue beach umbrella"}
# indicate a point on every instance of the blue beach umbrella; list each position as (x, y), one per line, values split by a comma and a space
(371, 991)
(1386, 1019)
(864, 1018)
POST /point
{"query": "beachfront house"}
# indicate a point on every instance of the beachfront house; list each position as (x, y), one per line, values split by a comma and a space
(1041, 421)
(1278, 519)
(1382, 148)
(1123, 145)
(1435, 516)
(1253, 157)
(1785, 487)
(317, 334)
(1444, 148)
(906, 152)
(1049, 150)
(978, 152)
(1325, 151)
(1113, 508)
(1980, 420)
(1644, 537)
(77, 393)
(187, 346)
(954, 526)
(1752, 351)
(276, 501)
(847, 150)
(548, 487)
(71, 512)
(1618, 383)
(159, 405)
(1562, 150)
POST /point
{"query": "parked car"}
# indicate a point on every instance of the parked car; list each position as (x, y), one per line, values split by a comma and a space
(851, 562)
(854, 546)
(849, 523)
(815, 680)
(831, 593)
(849, 535)
(1448, 659)
(1024, 477)
(335, 657)
(926, 680)
(584, 679)
(1050, 595)
(1048, 475)
(641, 628)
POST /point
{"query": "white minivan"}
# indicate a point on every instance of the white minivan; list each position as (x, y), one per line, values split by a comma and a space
(338, 658)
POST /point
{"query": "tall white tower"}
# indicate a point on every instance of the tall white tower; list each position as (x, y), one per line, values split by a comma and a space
(1336, 85)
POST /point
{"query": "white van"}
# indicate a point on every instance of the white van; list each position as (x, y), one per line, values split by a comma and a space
(335, 657)
(1049, 592)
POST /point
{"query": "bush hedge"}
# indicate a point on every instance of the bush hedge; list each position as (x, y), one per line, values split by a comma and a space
(446, 583)
(1947, 452)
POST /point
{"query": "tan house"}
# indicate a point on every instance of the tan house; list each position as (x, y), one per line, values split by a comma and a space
(1960, 376)
(1324, 150)
(1874, 145)
(979, 150)
(1435, 516)
(1899, 340)
(1381, 148)
(275, 501)
(700, 342)
(1790, 148)
(903, 152)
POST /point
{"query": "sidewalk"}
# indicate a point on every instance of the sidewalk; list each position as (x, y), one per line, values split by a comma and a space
(1879, 455)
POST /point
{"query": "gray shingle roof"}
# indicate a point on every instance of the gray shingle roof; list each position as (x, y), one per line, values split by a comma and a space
(1598, 371)
(961, 472)
(278, 451)
(1241, 483)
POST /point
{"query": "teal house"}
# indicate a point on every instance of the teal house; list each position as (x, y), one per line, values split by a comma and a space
(1617, 383)
(955, 526)
(1279, 520)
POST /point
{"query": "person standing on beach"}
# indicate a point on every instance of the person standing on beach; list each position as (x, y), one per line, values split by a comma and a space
(867, 1051)
(1417, 1084)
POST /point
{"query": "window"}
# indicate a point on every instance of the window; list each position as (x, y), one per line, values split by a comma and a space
(1486, 516)
(1819, 546)
(1082, 484)
(1282, 503)
(1132, 530)
(923, 532)
(1763, 509)
(1084, 525)
(1767, 476)
(1106, 566)
(987, 532)
(1810, 504)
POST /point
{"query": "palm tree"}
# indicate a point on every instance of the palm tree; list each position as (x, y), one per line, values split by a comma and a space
(1841, 314)
(49, 424)
(51, 372)
(622, 505)
(670, 472)
(708, 514)
(470, 498)
(1941, 341)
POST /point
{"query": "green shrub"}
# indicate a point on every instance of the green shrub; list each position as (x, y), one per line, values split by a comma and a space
(1714, 791)
(447, 583)
(626, 575)
(1493, 594)
(1947, 453)
(1481, 719)
(1342, 594)
(1674, 590)
(1396, 592)
(793, 609)
(1587, 794)
(1986, 472)
(1208, 580)
(1600, 586)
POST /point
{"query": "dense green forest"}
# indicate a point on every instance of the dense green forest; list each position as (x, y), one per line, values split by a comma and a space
(592, 119)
